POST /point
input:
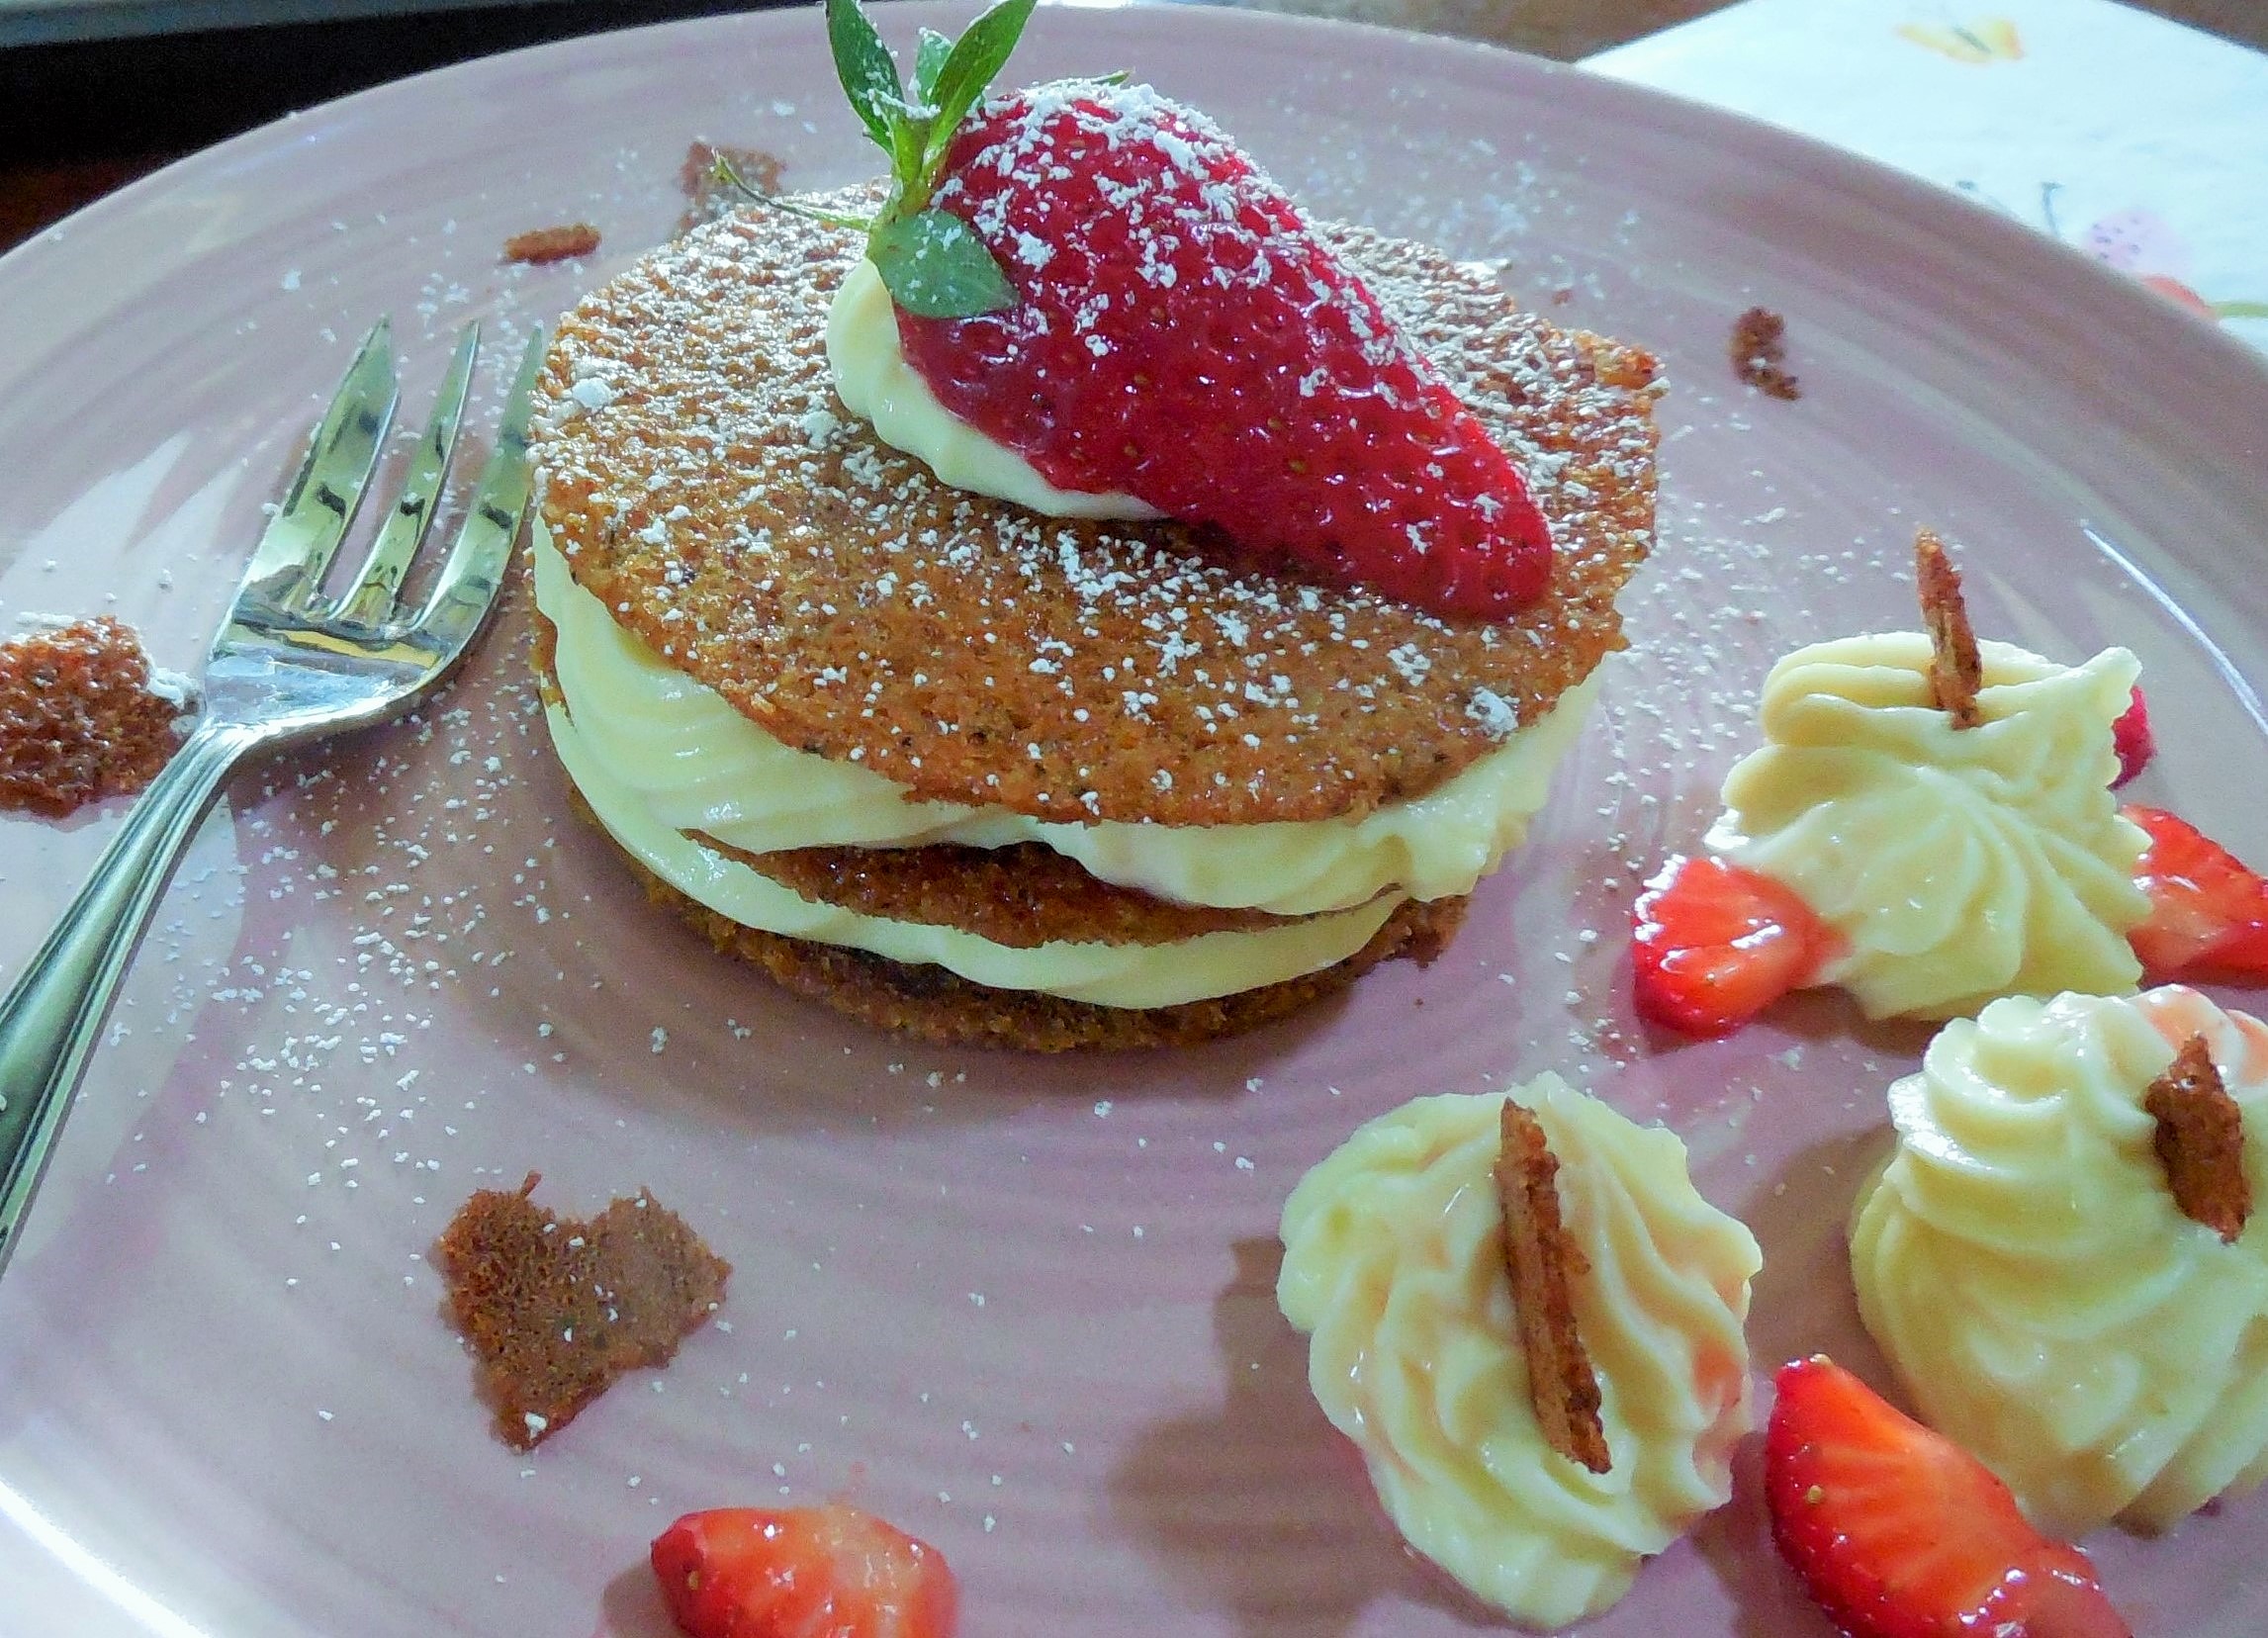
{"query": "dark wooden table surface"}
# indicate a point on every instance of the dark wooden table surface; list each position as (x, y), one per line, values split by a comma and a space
(90, 114)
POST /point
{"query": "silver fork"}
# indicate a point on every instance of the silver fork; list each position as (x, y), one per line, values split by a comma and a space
(287, 665)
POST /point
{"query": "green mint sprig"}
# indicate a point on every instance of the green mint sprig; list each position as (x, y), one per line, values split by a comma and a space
(931, 261)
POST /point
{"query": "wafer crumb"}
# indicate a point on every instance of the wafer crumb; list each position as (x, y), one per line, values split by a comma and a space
(556, 1310)
(550, 244)
(1541, 1258)
(1758, 349)
(707, 195)
(2200, 1140)
(1956, 671)
(81, 719)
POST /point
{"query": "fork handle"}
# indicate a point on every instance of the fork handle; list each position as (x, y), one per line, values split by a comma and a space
(54, 1012)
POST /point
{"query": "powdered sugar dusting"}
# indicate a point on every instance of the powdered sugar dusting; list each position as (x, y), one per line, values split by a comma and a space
(974, 651)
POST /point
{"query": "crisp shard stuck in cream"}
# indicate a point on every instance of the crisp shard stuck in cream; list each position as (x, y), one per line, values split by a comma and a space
(2022, 1261)
(1956, 865)
(1393, 1263)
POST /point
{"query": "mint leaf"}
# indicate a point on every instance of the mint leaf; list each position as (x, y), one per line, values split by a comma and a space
(869, 76)
(936, 267)
(977, 57)
(935, 48)
(909, 140)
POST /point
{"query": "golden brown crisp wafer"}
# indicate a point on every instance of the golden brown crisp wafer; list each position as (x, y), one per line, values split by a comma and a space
(2200, 1140)
(1956, 671)
(1020, 896)
(931, 1003)
(704, 480)
(1542, 1258)
(957, 887)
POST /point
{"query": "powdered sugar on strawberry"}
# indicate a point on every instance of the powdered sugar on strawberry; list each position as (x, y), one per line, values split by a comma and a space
(1181, 336)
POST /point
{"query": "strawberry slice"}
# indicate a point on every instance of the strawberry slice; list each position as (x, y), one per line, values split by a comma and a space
(2130, 736)
(1714, 945)
(1181, 334)
(829, 1572)
(1900, 1533)
(2209, 912)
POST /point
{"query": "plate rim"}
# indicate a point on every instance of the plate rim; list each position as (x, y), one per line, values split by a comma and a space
(1785, 146)
(1485, 59)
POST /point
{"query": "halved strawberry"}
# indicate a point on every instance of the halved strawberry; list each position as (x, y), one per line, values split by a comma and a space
(2209, 912)
(1714, 945)
(1183, 336)
(2130, 736)
(1900, 1533)
(829, 1572)
(1098, 279)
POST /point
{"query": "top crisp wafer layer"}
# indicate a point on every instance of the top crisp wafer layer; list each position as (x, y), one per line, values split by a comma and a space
(704, 481)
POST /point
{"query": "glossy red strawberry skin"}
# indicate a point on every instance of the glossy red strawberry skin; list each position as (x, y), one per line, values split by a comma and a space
(829, 1572)
(1183, 336)
(2130, 736)
(1897, 1532)
(1713, 944)
(2209, 911)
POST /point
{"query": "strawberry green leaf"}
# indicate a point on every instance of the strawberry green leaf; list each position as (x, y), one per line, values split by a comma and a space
(868, 73)
(935, 48)
(976, 58)
(936, 267)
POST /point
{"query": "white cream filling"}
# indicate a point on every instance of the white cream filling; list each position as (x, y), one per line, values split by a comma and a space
(1109, 975)
(873, 380)
(698, 763)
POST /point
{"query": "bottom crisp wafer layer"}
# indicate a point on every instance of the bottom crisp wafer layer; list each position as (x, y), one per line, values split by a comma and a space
(933, 1004)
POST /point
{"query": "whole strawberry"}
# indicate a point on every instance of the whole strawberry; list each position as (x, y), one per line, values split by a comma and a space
(1098, 279)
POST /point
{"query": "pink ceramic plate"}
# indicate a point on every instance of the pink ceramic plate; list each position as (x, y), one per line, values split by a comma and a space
(1022, 1307)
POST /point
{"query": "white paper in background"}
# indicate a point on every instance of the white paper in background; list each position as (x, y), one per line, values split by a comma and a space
(2137, 140)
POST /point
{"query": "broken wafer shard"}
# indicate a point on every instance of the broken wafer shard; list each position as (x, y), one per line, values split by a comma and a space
(2200, 1140)
(539, 246)
(1542, 1259)
(556, 1309)
(1759, 352)
(1956, 671)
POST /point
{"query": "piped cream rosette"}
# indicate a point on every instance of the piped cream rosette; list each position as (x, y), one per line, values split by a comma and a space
(1956, 865)
(1393, 1262)
(2023, 1263)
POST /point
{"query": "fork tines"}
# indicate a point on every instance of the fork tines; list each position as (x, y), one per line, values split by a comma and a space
(303, 539)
